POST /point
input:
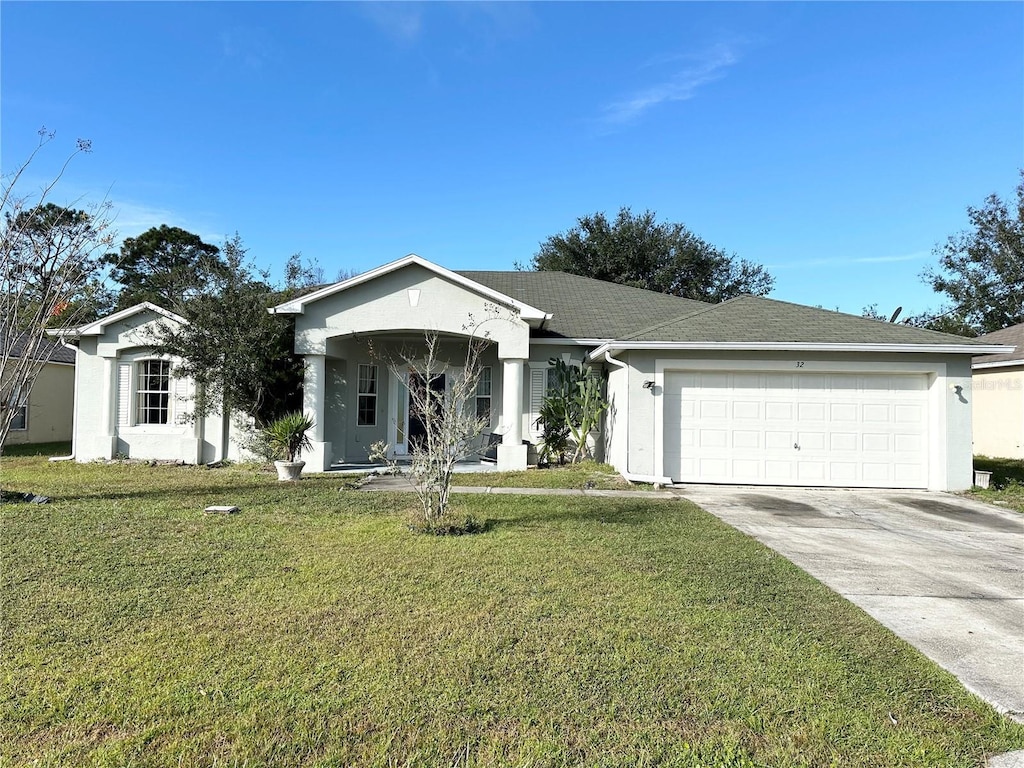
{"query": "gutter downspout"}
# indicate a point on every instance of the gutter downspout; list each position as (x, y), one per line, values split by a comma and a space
(630, 476)
(74, 409)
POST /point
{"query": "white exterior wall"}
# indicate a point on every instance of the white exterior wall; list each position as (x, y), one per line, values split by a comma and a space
(105, 426)
(950, 455)
(409, 299)
(998, 395)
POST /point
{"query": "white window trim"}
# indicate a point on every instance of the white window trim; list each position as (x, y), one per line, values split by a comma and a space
(137, 401)
(127, 413)
(360, 394)
(477, 397)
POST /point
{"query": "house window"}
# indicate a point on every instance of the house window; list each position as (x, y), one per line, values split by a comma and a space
(20, 420)
(366, 408)
(153, 392)
(483, 395)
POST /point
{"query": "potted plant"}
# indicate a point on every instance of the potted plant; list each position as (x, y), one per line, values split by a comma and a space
(288, 435)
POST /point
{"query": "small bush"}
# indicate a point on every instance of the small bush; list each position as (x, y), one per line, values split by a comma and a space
(448, 526)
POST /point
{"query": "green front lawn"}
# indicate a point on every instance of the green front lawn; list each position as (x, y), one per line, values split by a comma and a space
(314, 629)
(1007, 484)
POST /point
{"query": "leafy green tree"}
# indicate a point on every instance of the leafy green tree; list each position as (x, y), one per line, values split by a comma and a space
(165, 265)
(639, 251)
(981, 270)
(239, 354)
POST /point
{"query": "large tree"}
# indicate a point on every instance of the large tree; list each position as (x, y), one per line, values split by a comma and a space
(165, 265)
(238, 353)
(48, 277)
(981, 270)
(637, 250)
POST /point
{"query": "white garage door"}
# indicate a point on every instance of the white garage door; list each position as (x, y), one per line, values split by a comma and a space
(774, 428)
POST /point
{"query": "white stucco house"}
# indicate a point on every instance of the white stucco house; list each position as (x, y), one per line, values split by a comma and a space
(751, 391)
(998, 385)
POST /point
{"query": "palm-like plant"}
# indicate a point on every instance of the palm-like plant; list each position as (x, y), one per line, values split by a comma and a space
(288, 434)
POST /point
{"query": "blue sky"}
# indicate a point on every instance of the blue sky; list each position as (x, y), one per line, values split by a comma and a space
(836, 144)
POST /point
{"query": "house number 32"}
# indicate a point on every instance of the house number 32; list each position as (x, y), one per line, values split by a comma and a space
(799, 363)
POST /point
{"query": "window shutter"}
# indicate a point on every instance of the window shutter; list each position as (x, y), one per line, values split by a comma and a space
(124, 395)
(180, 388)
(538, 380)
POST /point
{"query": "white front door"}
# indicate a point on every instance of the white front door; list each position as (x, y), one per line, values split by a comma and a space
(776, 428)
(398, 423)
(406, 423)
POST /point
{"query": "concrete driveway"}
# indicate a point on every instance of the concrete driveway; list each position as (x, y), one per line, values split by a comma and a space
(944, 573)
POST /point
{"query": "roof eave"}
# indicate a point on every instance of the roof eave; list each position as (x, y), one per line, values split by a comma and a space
(998, 364)
(740, 346)
(97, 327)
(298, 306)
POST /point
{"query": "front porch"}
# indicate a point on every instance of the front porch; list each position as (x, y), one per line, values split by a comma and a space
(358, 339)
(359, 395)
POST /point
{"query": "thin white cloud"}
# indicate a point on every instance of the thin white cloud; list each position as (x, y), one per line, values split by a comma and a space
(836, 262)
(681, 86)
(249, 45)
(400, 21)
(132, 219)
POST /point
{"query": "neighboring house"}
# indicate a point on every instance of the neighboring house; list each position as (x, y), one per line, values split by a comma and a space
(998, 385)
(45, 413)
(127, 401)
(750, 391)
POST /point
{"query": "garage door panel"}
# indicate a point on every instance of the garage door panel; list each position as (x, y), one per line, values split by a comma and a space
(714, 467)
(775, 440)
(774, 411)
(714, 409)
(844, 441)
(876, 413)
(909, 474)
(843, 472)
(874, 442)
(844, 412)
(876, 473)
(746, 438)
(811, 411)
(746, 409)
(770, 427)
(747, 470)
(713, 438)
(811, 441)
(811, 471)
(907, 414)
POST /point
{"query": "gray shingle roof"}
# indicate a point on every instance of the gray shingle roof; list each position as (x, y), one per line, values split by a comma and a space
(56, 353)
(584, 308)
(753, 319)
(1012, 336)
(594, 309)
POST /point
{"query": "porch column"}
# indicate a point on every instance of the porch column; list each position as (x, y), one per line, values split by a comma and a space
(512, 453)
(314, 396)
